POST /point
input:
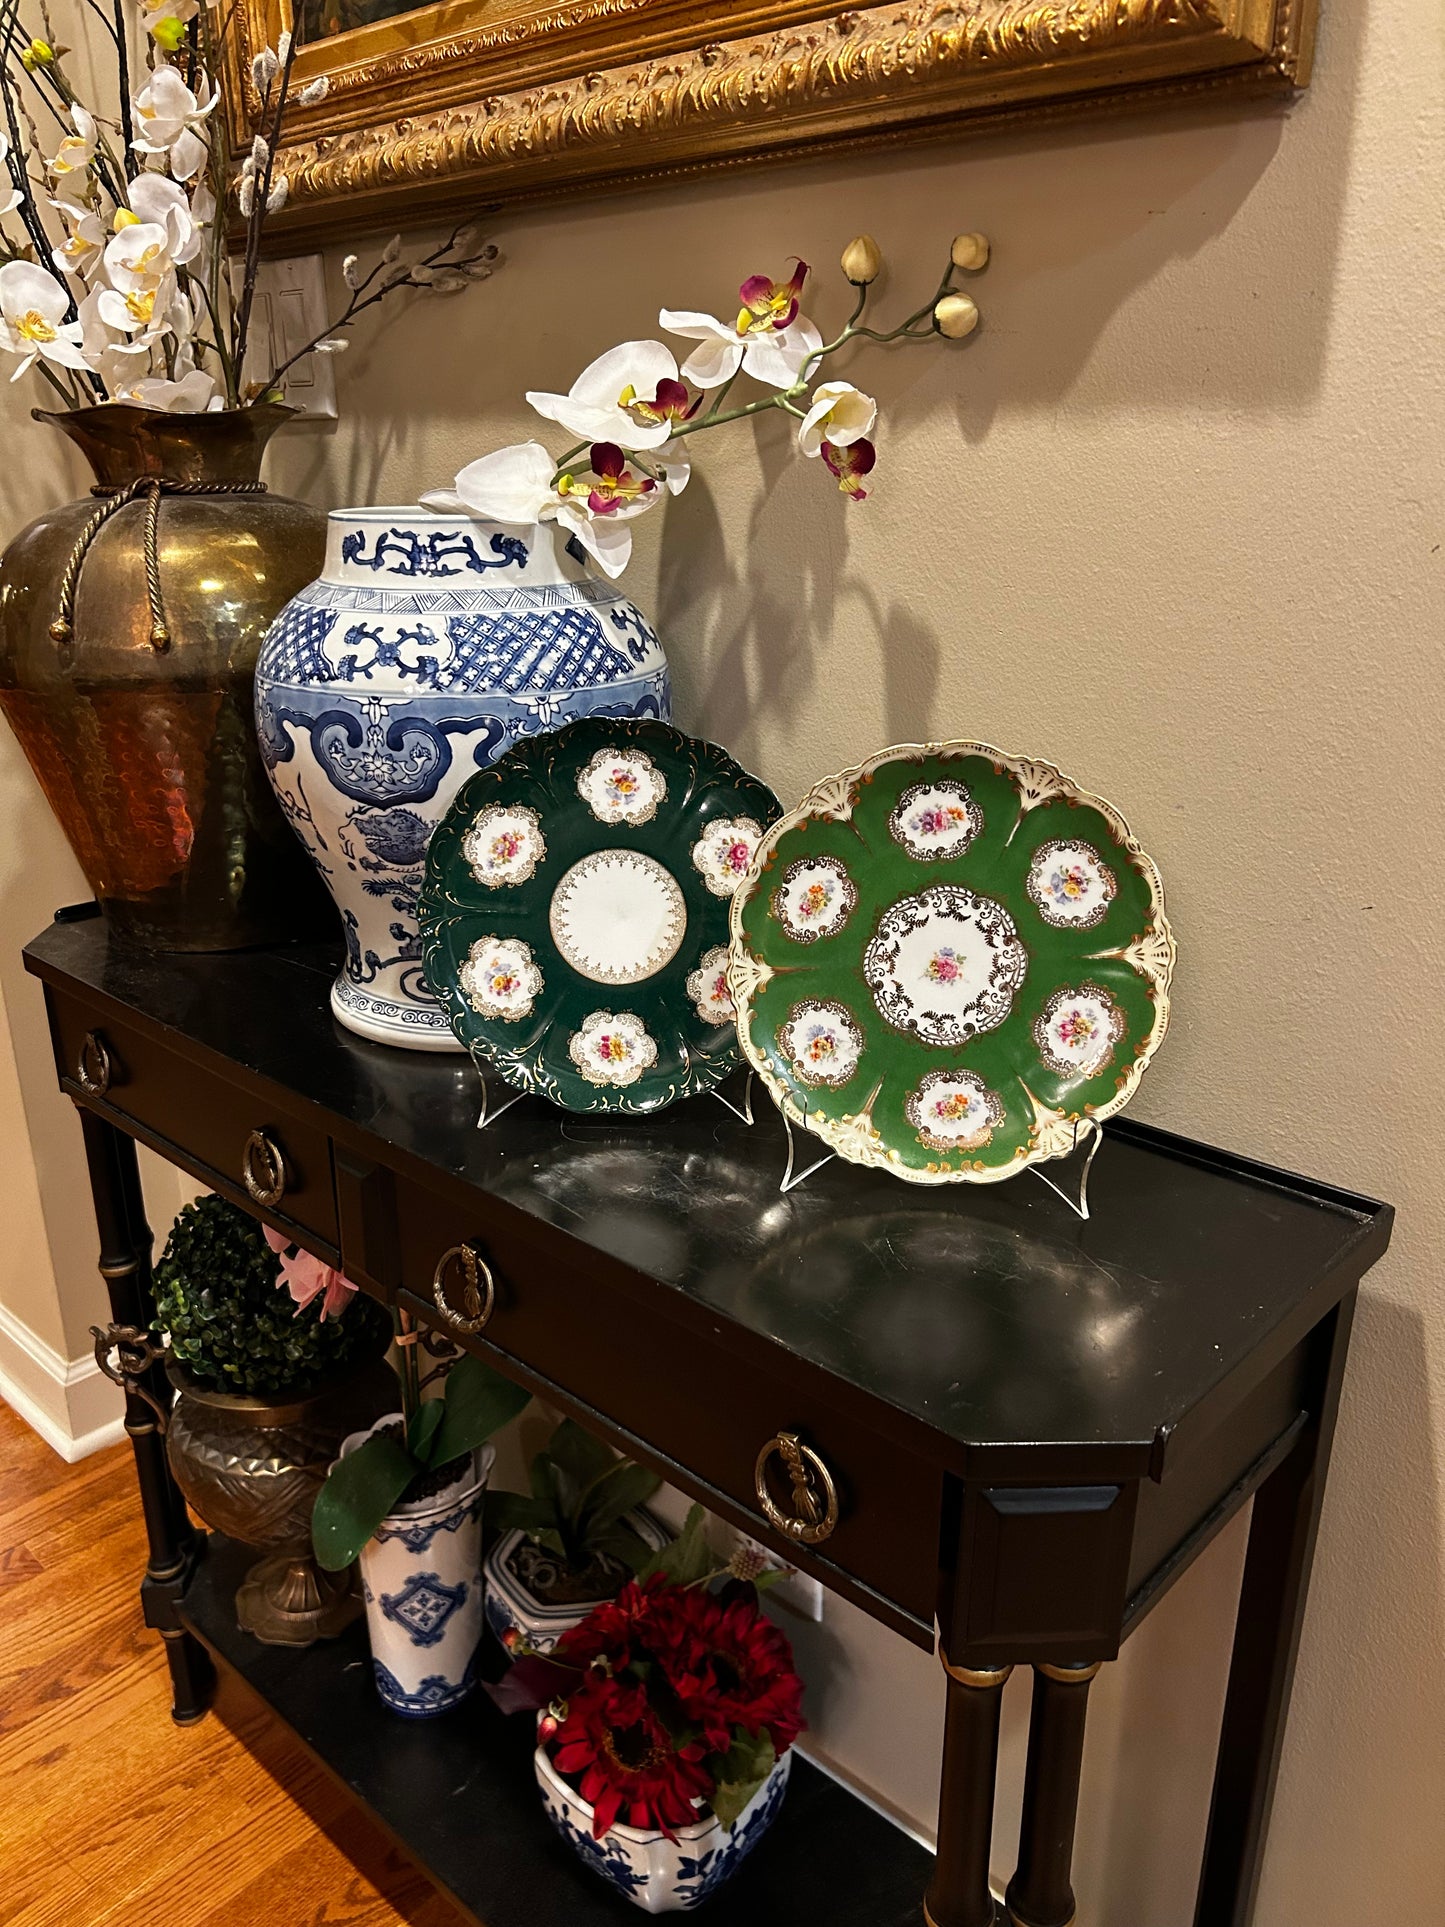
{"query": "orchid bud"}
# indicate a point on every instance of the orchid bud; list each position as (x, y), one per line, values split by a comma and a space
(169, 34)
(861, 260)
(264, 69)
(279, 195)
(351, 272)
(956, 315)
(313, 95)
(969, 251)
(124, 218)
(38, 54)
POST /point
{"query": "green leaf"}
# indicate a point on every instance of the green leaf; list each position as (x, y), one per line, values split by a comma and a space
(688, 1558)
(771, 1576)
(510, 1512)
(425, 1420)
(624, 1487)
(741, 1774)
(583, 1458)
(359, 1492)
(478, 1402)
(622, 1543)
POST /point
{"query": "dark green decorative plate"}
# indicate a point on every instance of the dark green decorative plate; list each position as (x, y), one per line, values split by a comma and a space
(946, 958)
(574, 916)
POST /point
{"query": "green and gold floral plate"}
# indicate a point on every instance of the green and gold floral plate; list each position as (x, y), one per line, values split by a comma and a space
(574, 916)
(944, 959)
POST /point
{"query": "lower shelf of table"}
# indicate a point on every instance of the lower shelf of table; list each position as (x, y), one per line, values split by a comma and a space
(458, 1796)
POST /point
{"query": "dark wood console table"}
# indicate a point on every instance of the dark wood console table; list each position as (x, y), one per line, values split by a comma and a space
(1034, 1423)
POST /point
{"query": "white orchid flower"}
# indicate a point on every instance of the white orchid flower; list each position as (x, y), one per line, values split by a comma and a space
(193, 394)
(838, 413)
(33, 305)
(172, 119)
(84, 241)
(631, 395)
(120, 362)
(141, 272)
(158, 201)
(69, 167)
(10, 197)
(512, 485)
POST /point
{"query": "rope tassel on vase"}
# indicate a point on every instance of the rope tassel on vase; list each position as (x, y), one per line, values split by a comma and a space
(152, 487)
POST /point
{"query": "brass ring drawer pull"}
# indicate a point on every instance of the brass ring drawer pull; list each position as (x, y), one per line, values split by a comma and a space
(93, 1068)
(813, 1517)
(479, 1290)
(264, 1170)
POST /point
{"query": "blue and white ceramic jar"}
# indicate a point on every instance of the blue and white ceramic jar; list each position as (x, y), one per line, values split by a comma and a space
(421, 1574)
(428, 645)
(659, 1875)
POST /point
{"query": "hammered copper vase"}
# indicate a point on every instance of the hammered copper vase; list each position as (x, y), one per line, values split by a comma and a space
(126, 665)
(251, 1465)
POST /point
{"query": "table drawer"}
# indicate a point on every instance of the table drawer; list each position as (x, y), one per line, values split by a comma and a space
(664, 1381)
(260, 1155)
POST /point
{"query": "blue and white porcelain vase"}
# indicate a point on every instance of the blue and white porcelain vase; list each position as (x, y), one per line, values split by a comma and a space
(659, 1875)
(421, 1574)
(429, 644)
(518, 1571)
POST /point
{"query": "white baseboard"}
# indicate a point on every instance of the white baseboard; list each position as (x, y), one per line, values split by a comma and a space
(68, 1401)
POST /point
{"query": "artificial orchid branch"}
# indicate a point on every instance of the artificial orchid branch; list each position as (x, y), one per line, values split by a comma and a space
(633, 404)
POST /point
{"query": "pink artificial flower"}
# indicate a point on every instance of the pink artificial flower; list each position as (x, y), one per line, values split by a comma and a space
(850, 465)
(770, 306)
(306, 1277)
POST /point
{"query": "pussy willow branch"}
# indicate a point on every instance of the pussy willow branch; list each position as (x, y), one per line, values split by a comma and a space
(362, 300)
(271, 133)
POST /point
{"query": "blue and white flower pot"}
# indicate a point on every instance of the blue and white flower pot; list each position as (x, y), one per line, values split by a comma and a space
(429, 644)
(512, 1569)
(422, 1578)
(659, 1875)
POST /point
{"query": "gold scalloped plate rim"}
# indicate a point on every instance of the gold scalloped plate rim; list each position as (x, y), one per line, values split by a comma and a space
(853, 1137)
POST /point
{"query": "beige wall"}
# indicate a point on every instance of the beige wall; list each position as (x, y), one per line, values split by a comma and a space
(1173, 517)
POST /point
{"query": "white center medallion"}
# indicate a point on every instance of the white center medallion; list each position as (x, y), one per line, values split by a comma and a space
(618, 916)
(945, 964)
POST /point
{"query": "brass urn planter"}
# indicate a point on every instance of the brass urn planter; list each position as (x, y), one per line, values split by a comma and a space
(251, 1467)
(129, 627)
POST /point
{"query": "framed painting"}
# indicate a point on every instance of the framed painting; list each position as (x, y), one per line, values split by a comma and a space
(433, 110)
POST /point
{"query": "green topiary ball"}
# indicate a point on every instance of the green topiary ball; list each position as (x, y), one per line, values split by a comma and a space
(230, 1322)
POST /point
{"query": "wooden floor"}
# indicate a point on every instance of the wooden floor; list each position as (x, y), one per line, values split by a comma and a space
(110, 1815)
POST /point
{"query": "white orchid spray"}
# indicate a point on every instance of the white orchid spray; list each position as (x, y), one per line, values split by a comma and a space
(634, 405)
(115, 281)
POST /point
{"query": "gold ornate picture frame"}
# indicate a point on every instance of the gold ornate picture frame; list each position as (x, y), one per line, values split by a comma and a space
(433, 111)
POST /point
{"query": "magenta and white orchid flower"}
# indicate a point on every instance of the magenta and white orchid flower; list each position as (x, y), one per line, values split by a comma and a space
(307, 1278)
(521, 485)
(769, 340)
(33, 307)
(838, 413)
(631, 394)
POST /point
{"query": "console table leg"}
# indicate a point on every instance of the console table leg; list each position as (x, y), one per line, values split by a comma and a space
(1282, 1536)
(959, 1894)
(1040, 1893)
(173, 1546)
